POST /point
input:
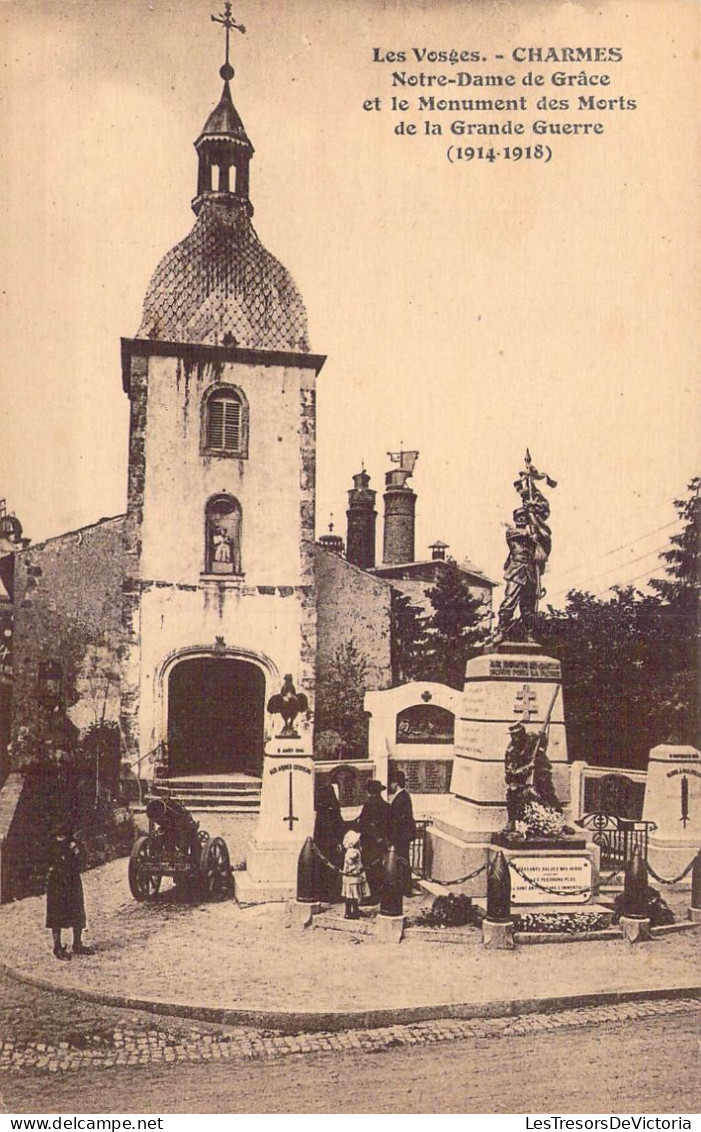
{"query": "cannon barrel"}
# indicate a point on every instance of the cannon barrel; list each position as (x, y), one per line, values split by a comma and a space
(173, 818)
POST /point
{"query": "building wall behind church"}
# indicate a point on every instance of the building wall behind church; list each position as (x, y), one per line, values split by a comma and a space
(352, 607)
(69, 610)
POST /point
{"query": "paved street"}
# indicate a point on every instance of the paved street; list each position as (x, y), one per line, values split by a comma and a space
(58, 1055)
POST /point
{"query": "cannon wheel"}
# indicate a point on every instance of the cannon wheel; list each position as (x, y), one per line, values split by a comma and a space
(215, 869)
(142, 881)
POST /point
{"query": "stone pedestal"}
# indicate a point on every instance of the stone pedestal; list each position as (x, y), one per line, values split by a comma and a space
(514, 682)
(673, 803)
(286, 820)
(302, 913)
(389, 929)
(510, 683)
(498, 935)
(635, 928)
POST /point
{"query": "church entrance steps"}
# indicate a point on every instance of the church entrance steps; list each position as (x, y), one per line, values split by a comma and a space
(233, 794)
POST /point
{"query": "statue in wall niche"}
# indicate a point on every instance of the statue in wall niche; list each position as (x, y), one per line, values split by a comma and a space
(224, 535)
(529, 540)
(288, 703)
(532, 806)
(222, 546)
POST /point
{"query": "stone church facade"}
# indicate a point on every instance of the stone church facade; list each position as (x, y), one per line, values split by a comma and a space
(178, 620)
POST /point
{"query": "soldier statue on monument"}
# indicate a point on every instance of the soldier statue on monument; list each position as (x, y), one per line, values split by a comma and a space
(529, 541)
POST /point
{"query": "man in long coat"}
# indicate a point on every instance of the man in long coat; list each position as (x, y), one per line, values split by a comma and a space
(373, 823)
(402, 826)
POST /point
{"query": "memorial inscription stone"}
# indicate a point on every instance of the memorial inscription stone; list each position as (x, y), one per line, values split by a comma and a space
(564, 878)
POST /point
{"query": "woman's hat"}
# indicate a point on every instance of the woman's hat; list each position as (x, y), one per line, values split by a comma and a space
(351, 839)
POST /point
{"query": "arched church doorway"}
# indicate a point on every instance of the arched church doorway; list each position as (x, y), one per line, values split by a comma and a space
(215, 717)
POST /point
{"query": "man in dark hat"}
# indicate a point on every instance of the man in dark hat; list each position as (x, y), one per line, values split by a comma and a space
(374, 825)
(402, 827)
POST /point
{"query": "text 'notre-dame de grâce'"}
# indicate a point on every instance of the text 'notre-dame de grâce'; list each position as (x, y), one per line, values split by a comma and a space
(521, 85)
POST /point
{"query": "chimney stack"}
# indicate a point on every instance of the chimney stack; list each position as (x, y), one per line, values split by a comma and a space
(400, 505)
(438, 550)
(361, 513)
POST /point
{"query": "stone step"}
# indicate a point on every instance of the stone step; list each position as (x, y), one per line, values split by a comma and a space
(236, 794)
(202, 799)
(333, 919)
(222, 786)
(221, 806)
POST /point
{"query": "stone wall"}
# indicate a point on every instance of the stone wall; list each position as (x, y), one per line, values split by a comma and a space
(69, 610)
(352, 607)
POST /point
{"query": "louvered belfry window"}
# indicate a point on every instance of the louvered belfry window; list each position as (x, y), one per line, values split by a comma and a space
(224, 423)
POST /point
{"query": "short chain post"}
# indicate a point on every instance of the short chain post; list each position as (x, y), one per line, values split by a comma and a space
(389, 925)
(498, 927)
(635, 922)
(307, 904)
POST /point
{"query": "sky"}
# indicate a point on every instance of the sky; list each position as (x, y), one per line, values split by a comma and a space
(468, 310)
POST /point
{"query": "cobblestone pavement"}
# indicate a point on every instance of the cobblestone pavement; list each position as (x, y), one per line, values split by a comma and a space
(139, 1047)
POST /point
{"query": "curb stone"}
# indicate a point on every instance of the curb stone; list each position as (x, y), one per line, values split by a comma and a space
(297, 1022)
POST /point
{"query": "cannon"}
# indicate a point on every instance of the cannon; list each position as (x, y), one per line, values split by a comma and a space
(175, 846)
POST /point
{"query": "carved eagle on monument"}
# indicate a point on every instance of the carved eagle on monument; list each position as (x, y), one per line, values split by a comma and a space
(288, 703)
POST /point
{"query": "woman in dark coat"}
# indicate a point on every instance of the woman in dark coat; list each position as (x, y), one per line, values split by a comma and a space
(374, 825)
(329, 829)
(65, 906)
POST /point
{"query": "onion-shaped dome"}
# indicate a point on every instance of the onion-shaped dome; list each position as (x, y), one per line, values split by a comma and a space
(219, 285)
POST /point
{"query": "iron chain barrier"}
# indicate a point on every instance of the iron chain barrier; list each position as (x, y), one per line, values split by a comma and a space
(378, 860)
(675, 880)
(460, 880)
(524, 876)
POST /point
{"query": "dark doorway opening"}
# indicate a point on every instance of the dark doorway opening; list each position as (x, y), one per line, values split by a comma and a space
(215, 717)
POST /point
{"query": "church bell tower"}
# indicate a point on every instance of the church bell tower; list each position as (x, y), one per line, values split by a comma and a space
(219, 599)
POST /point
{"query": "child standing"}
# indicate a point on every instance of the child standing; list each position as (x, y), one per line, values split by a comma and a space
(354, 887)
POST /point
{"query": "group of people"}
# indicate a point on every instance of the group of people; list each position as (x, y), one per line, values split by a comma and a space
(356, 850)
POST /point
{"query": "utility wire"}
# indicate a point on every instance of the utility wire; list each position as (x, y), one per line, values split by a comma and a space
(606, 553)
(628, 583)
(645, 574)
(623, 565)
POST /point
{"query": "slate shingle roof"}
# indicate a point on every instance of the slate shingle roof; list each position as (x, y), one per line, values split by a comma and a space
(221, 281)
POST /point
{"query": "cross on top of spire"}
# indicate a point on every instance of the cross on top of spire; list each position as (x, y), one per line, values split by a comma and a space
(229, 25)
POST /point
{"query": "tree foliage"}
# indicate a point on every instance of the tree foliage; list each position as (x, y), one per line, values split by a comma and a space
(454, 627)
(436, 646)
(629, 660)
(341, 703)
(682, 586)
(408, 638)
